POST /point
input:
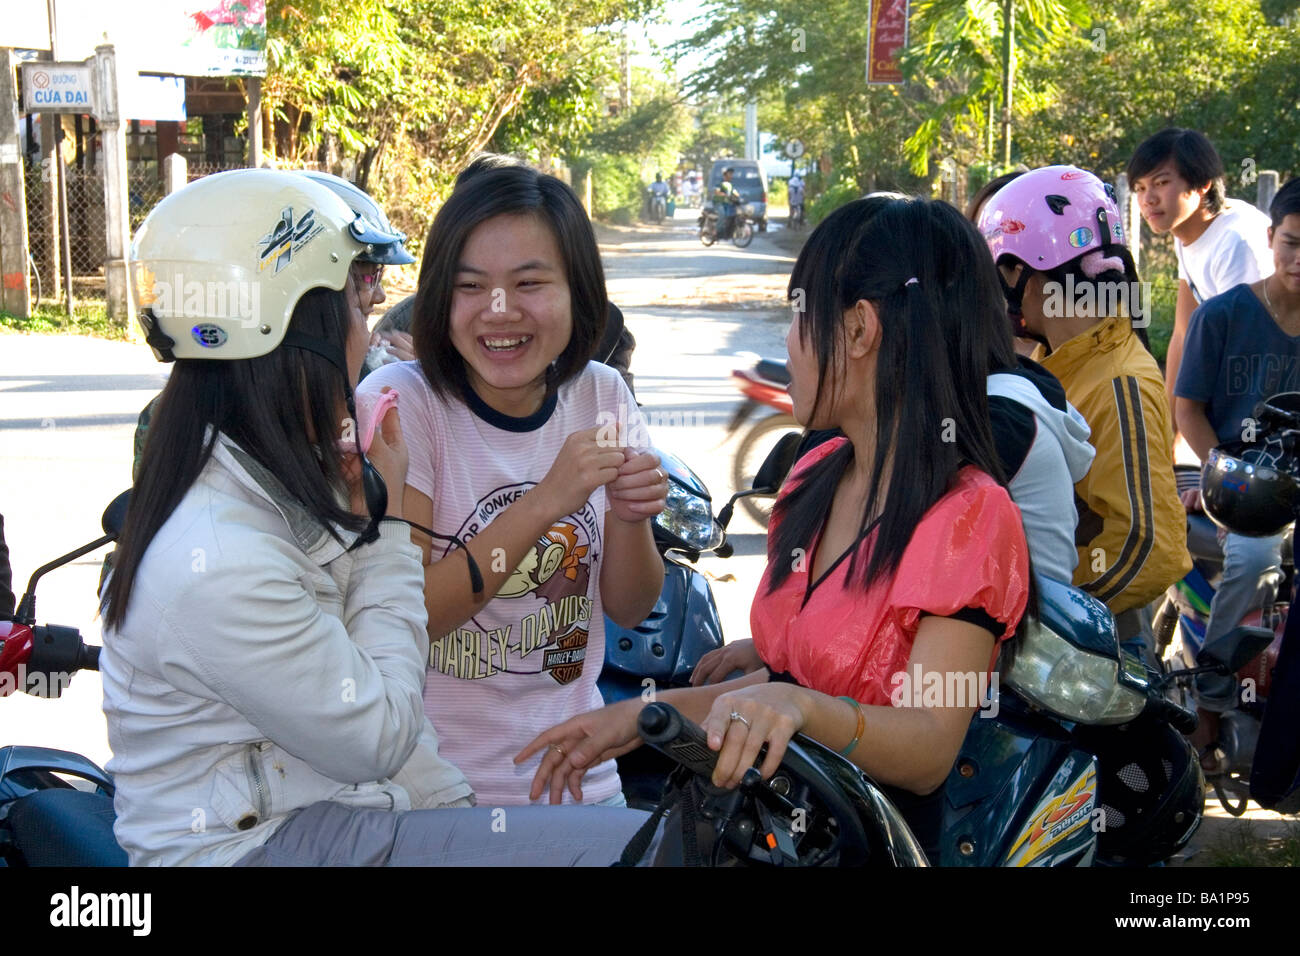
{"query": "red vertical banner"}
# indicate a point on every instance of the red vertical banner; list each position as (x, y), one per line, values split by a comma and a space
(886, 37)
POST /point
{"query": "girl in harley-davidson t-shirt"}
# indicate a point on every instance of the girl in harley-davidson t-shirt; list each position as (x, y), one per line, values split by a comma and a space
(895, 554)
(532, 455)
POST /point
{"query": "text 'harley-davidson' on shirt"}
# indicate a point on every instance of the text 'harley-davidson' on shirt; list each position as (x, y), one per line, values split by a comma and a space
(530, 658)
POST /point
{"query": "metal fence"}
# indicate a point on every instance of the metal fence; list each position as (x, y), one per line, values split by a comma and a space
(145, 188)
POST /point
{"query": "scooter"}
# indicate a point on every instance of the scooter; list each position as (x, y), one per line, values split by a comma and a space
(742, 230)
(56, 807)
(1080, 728)
(1179, 625)
(765, 384)
(1023, 792)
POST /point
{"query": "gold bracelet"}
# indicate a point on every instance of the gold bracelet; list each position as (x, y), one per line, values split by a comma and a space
(862, 725)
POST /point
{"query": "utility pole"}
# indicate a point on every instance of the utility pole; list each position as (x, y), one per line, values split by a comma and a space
(624, 77)
(253, 86)
(1008, 75)
(751, 130)
(117, 280)
(15, 287)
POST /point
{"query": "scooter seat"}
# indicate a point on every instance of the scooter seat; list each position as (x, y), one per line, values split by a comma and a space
(66, 828)
(774, 370)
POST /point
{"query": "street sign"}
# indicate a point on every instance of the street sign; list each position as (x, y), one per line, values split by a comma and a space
(794, 148)
(886, 38)
(57, 88)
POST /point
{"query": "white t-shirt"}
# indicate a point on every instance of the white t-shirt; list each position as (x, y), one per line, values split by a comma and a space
(529, 660)
(1232, 250)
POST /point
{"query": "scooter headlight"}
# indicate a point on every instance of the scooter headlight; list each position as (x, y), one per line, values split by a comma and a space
(1058, 676)
(688, 518)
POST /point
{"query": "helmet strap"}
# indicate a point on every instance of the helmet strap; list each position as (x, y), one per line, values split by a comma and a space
(156, 338)
(1015, 295)
(372, 482)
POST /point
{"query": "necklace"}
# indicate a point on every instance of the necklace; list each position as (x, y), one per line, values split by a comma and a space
(1267, 301)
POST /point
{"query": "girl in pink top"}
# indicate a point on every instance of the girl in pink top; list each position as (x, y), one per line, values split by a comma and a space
(534, 457)
(894, 551)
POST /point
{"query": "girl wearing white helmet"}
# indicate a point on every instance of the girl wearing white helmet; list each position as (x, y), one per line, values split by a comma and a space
(1058, 240)
(537, 457)
(264, 625)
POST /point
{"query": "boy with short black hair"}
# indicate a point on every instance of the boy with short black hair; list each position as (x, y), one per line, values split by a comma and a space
(1177, 176)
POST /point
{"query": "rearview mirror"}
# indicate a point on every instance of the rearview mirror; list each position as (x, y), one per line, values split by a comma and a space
(778, 463)
(115, 514)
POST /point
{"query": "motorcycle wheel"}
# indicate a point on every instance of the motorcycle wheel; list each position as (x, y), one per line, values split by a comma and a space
(754, 447)
(708, 236)
(744, 235)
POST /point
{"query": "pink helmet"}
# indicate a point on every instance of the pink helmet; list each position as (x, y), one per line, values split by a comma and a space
(1052, 215)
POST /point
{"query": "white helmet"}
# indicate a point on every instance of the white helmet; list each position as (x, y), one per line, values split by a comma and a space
(371, 225)
(219, 265)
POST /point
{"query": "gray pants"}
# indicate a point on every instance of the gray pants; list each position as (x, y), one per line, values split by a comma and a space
(332, 834)
(1252, 571)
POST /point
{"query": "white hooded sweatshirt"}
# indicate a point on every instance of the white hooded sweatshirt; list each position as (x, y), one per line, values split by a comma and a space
(1042, 441)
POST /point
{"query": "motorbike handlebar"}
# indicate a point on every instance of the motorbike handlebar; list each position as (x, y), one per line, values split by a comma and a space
(1162, 708)
(685, 742)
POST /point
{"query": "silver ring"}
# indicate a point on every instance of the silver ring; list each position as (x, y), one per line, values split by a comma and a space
(736, 715)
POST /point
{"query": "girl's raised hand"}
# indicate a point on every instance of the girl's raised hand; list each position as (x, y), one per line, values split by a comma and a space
(584, 464)
(641, 489)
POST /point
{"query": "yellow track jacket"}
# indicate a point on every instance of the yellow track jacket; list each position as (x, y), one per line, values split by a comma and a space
(1132, 530)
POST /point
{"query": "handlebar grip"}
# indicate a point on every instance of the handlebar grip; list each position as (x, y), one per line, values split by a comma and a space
(662, 727)
(1181, 719)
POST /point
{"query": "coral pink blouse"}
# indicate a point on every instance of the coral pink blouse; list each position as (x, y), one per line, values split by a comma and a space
(969, 551)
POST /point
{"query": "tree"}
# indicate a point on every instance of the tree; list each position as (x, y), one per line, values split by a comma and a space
(1141, 65)
(965, 50)
(406, 91)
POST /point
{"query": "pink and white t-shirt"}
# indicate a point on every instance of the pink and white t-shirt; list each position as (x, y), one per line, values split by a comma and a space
(530, 658)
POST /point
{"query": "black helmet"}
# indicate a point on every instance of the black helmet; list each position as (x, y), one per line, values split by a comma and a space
(1150, 789)
(1252, 488)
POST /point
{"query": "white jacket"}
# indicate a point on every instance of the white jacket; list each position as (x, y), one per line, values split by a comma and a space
(261, 668)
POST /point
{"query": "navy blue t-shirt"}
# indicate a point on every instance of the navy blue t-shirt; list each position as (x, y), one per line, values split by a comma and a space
(1234, 356)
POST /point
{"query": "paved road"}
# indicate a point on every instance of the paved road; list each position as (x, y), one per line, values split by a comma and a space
(68, 408)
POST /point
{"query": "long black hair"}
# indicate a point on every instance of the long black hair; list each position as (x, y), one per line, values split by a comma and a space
(928, 389)
(267, 406)
(495, 187)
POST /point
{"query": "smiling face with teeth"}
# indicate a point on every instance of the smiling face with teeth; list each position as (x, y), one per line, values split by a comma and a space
(511, 311)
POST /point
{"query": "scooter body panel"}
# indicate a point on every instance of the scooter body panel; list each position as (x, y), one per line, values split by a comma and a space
(682, 627)
(1020, 794)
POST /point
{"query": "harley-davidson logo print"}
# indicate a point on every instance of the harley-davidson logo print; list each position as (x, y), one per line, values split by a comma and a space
(540, 619)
